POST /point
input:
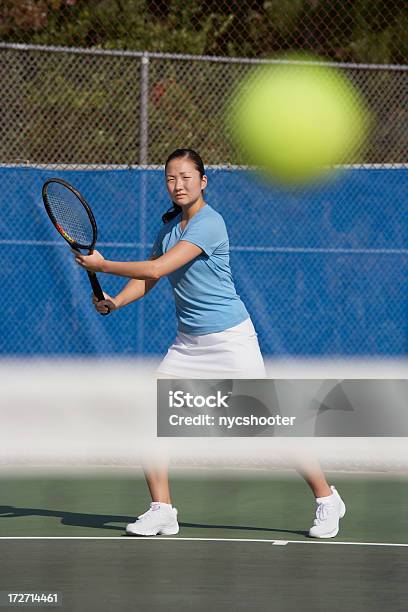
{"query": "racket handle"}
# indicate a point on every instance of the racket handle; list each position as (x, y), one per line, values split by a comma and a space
(97, 290)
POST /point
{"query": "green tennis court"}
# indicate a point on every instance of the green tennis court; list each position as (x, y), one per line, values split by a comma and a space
(243, 542)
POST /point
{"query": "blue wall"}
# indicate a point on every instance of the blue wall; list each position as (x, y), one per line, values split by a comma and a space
(323, 271)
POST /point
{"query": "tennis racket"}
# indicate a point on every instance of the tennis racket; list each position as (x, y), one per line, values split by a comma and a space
(74, 220)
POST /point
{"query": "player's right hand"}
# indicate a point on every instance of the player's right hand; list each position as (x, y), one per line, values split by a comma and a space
(106, 305)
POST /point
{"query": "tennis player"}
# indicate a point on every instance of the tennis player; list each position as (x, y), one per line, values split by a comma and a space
(216, 337)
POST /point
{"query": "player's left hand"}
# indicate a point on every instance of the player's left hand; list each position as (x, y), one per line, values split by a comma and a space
(93, 262)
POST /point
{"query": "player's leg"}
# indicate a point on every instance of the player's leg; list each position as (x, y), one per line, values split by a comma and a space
(330, 508)
(157, 479)
(161, 517)
(311, 471)
(299, 398)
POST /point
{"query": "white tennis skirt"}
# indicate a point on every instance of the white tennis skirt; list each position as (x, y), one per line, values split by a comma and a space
(232, 353)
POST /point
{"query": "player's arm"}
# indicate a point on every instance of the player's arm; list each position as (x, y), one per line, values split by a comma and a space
(182, 253)
(134, 290)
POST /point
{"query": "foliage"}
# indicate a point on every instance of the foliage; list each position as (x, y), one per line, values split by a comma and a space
(345, 30)
(84, 108)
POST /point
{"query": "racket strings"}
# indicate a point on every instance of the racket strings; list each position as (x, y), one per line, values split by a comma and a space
(70, 215)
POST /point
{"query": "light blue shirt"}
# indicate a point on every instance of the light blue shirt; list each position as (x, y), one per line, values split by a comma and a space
(204, 292)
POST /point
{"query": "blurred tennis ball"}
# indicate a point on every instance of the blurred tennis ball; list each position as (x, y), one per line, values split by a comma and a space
(294, 120)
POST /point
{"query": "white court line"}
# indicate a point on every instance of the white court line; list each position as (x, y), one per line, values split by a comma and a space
(176, 539)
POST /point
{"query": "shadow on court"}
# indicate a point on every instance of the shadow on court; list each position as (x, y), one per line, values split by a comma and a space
(77, 519)
(209, 507)
(243, 528)
(227, 560)
(101, 521)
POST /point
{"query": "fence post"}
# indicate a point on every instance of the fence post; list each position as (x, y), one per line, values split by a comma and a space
(143, 161)
(144, 109)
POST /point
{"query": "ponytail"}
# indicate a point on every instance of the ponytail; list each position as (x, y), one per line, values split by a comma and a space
(171, 213)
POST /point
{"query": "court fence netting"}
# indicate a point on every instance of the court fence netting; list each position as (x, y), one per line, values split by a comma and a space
(322, 270)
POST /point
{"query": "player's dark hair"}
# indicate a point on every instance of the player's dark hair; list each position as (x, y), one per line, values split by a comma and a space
(198, 163)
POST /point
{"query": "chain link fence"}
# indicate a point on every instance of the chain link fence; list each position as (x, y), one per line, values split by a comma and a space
(323, 271)
(86, 107)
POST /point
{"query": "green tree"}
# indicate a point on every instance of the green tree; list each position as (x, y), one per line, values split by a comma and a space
(345, 30)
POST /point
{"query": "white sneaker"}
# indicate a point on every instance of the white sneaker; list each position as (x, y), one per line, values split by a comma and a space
(158, 519)
(329, 511)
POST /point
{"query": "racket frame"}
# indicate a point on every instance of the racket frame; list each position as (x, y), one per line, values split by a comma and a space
(96, 288)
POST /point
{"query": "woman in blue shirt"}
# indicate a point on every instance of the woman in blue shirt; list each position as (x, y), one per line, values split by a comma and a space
(215, 336)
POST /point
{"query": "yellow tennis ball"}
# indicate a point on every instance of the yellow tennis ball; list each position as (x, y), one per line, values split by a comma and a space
(295, 120)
